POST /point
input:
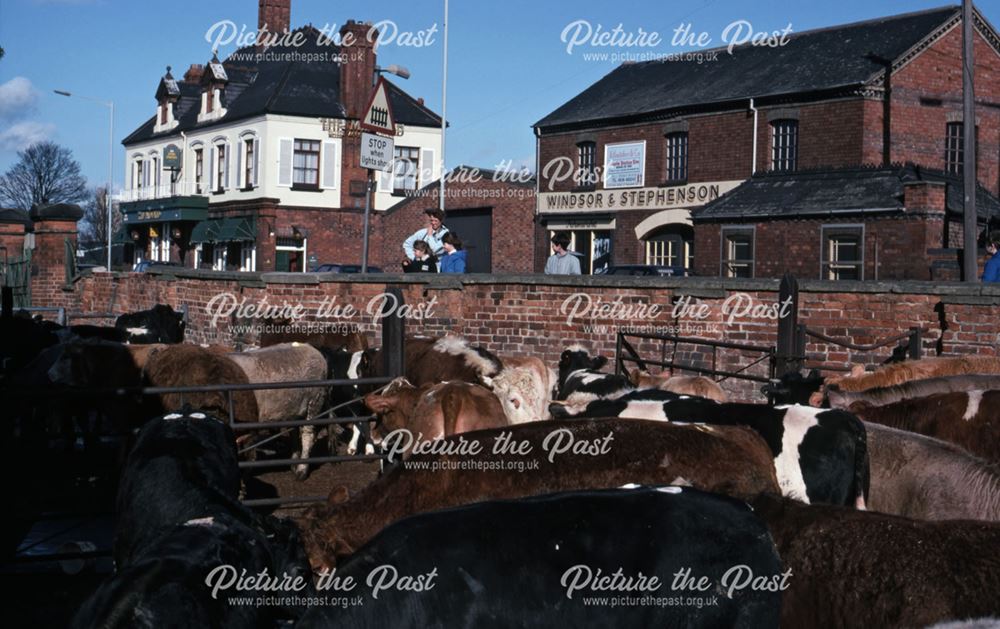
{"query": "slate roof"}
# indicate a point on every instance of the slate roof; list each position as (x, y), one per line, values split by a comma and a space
(834, 192)
(281, 86)
(827, 59)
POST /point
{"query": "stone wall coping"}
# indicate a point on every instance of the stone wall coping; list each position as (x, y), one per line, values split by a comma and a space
(709, 287)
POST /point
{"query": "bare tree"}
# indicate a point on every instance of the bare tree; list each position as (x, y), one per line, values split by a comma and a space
(44, 173)
(95, 217)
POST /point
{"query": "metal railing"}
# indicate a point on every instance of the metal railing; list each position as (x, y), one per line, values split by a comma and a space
(626, 352)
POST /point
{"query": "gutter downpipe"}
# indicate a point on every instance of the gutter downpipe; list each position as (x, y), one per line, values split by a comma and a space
(753, 168)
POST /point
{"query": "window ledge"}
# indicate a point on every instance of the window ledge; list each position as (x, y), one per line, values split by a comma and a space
(305, 188)
(673, 183)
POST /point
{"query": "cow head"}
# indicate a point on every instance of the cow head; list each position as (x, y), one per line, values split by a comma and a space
(575, 358)
(394, 406)
(794, 388)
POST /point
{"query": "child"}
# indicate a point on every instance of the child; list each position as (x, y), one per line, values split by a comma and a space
(454, 259)
(423, 260)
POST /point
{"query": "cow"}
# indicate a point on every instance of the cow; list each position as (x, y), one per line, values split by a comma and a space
(433, 411)
(186, 365)
(910, 370)
(525, 387)
(864, 569)
(343, 364)
(729, 460)
(819, 454)
(430, 361)
(291, 362)
(927, 479)
(686, 385)
(182, 466)
(171, 583)
(279, 331)
(970, 419)
(532, 562)
(159, 324)
(581, 381)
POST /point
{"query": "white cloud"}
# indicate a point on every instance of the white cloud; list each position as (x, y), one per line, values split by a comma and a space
(24, 134)
(18, 97)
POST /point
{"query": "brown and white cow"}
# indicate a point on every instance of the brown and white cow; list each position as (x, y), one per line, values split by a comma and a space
(970, 419)
(927, 479)
(289, 362)
(911, 370)
(865, 569)
(561, 456)
(685, 385)
(434, 411)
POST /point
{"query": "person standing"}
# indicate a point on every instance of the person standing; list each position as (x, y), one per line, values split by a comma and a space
(432, 233)
(992, 271)
(423, 260)
(454, 259)
(562, 262)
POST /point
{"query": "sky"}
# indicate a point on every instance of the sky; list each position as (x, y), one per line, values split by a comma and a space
(510, 62)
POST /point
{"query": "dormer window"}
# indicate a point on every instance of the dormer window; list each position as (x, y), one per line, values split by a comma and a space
(213, 83)
(166, 95)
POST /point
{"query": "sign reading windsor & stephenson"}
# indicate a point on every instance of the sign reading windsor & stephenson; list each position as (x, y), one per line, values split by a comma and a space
(686, 196)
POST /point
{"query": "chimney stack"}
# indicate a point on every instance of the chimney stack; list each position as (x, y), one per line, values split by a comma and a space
(276, 15)
(358, 68)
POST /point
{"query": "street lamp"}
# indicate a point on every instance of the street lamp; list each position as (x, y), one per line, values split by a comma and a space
(111, 158)
(402, 73)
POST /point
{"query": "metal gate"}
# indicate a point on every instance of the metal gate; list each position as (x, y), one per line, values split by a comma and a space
(15, 273)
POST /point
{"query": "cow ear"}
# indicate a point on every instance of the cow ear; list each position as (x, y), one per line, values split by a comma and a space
(599, 362)
(857, 370)
(337, 496)
(379, 403)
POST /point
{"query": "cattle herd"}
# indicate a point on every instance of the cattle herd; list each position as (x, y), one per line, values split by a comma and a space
(517, 493)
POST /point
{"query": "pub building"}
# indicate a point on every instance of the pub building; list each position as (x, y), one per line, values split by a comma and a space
(837, 155)
(252, 163)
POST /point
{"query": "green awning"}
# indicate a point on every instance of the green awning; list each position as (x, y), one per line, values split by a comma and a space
(204, 231)
(234, 229)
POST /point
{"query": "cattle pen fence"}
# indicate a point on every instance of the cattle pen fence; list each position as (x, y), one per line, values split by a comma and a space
(392, 351)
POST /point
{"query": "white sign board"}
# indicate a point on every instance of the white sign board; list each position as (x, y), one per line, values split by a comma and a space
(625, 165)
(376, 152)
(378, 116)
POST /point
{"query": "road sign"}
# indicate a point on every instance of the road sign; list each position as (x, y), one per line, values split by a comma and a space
(378, 116)
(376, 152)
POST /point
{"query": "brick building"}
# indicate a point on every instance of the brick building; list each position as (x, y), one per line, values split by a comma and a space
(252, 163)
(626, 163)
(493, 213)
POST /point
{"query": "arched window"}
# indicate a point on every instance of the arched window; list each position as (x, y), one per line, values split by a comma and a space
(671, 245)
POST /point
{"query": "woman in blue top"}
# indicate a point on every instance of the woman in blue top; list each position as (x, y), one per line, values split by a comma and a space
(453, 261)
(992, 271)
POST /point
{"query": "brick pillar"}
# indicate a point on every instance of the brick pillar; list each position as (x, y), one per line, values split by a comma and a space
(927, 198)
(266, 239)
(54, 224)
(357, 70)
(12, 228)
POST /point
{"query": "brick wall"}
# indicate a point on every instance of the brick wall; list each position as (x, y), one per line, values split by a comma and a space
(524, 315)
(12, 239)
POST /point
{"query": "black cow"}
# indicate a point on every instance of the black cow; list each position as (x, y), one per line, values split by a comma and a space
(534, 563)
(171, 582)
(183, 466)
(793, 387)
(581, 378)
(820, 455)
(160, 324)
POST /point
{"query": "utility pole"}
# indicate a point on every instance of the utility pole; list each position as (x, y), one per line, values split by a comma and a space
(970, 259)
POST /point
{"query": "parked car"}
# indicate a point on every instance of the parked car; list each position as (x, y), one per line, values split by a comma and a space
(648, 270)
(344, 268)
(143, 266)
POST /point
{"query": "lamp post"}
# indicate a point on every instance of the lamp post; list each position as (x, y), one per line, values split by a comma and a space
(402, 73)
(111, 158)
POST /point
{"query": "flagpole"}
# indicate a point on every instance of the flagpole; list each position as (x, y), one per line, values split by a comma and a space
(444, 106)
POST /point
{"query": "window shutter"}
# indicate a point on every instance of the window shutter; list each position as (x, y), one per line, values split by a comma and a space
(239, 162)
(330, 161)
(225, 170)
(426, 173)
(211, 171)
(145, 175)
(285, 162)
(256, 160)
